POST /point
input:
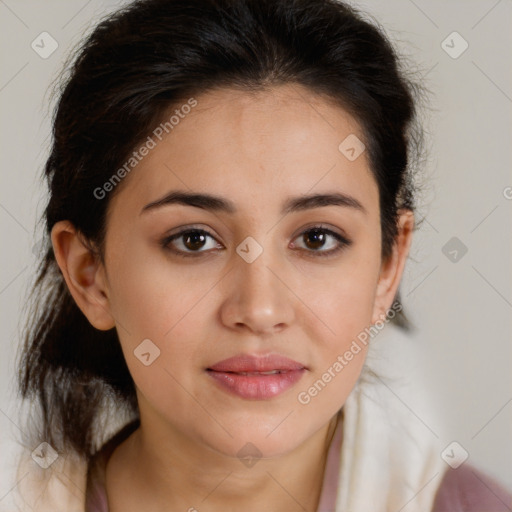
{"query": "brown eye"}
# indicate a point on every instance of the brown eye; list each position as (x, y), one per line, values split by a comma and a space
(194, 240)
(314, 238)
(188, 242)
(322, 241)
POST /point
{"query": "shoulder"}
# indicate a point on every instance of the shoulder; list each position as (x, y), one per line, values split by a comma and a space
(467, 489)
(49, 482)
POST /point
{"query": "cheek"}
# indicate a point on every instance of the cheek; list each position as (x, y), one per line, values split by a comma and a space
(170, 305)
(345, 315)
(149, 293)
(158, 312)
(340, 346)
(342, 297)
(342, 303)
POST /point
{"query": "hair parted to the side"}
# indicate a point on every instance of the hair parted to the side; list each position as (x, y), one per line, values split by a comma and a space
(134, 66)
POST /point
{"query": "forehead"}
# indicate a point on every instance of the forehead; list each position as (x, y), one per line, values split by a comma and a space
(254, 147)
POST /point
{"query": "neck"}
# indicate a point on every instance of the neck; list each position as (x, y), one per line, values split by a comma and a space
(174, 473)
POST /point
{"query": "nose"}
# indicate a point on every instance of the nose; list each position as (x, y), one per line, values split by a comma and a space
(259, 299)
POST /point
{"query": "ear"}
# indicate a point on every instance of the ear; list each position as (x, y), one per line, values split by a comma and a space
(392, 269)
(84, 274)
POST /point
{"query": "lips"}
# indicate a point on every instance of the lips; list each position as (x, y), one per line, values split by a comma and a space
(246, 363)
(257, 378)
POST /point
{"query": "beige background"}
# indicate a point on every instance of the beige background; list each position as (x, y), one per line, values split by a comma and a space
(462, 309)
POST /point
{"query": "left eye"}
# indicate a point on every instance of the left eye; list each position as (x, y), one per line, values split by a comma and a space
(192, 240)
(316, 237)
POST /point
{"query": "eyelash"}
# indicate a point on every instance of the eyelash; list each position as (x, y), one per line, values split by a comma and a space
(343, 242)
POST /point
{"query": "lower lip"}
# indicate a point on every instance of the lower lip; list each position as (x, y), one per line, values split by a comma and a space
(257, 387)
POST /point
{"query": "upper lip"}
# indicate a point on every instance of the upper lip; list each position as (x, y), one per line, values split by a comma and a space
(250, 363)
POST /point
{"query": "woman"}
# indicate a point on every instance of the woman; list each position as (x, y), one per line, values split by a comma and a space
(231, 209)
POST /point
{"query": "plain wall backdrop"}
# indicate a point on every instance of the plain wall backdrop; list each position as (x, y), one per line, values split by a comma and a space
(457, 287)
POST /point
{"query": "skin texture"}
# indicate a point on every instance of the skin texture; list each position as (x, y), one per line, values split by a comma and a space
(255, 149)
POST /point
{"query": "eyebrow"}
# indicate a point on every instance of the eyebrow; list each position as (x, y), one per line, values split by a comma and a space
(220, 204)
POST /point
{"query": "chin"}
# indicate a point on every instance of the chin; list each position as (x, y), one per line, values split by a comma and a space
(260, 440)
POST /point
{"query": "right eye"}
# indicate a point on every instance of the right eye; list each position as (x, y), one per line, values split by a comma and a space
(190, 241)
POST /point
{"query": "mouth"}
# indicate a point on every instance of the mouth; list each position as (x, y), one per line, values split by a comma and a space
(271, 372)
(256, 378)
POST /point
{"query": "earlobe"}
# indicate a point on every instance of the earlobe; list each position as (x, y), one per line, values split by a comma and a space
(84, 274)
(392, 269)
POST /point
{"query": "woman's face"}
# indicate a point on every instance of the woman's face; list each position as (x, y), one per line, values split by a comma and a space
(259, 282)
